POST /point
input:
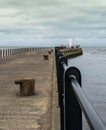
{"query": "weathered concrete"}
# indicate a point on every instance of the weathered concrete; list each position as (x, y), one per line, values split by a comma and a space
(55, 121)
(32, 112)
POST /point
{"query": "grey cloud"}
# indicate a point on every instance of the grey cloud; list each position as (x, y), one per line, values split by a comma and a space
(28, 3)
(34, 11)
(52, 19)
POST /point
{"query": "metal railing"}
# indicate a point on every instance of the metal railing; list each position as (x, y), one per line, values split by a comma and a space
(72, 99)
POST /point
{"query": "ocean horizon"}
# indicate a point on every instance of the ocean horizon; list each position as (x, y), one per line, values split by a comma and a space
(4, 47)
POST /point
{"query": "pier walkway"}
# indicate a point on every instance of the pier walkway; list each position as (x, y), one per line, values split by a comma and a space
(31, 112)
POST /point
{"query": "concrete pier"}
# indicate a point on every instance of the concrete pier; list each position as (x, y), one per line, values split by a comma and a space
(36, 112)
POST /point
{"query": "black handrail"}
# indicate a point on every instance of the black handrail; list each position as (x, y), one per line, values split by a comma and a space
(72, 99)
(91, 115)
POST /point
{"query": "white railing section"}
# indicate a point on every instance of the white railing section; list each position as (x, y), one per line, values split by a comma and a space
(10, 52)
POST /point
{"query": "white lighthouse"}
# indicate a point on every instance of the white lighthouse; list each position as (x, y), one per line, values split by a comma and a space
(70, 42)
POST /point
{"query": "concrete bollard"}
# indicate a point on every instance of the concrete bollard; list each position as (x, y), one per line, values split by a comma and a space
(49, 52)
(46, 57)
(27, 86)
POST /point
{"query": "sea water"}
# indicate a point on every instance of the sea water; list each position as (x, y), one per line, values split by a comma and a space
(92, 65)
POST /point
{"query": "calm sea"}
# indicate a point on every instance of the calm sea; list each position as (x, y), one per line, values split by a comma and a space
(92, 65)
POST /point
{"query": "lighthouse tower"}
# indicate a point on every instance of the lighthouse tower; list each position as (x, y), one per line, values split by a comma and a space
(70, 42)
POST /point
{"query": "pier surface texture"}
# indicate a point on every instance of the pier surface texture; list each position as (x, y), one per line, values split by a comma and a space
(36, 112)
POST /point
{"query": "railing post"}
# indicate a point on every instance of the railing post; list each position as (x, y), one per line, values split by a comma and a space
(0, 53)
(60, 72)
(3, 53)
(61, 89)
(6, 52)
(73, 113)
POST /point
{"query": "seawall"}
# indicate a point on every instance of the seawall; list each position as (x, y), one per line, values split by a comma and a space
(71, 52)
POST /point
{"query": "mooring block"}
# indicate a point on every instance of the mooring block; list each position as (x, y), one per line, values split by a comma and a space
(46, 57)
(27, 86)
(49, 52)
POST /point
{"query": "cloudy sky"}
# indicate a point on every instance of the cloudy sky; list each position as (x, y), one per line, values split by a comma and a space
(52, 22)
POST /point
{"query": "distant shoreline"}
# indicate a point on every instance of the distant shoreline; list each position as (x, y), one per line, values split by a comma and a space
(13, 47)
